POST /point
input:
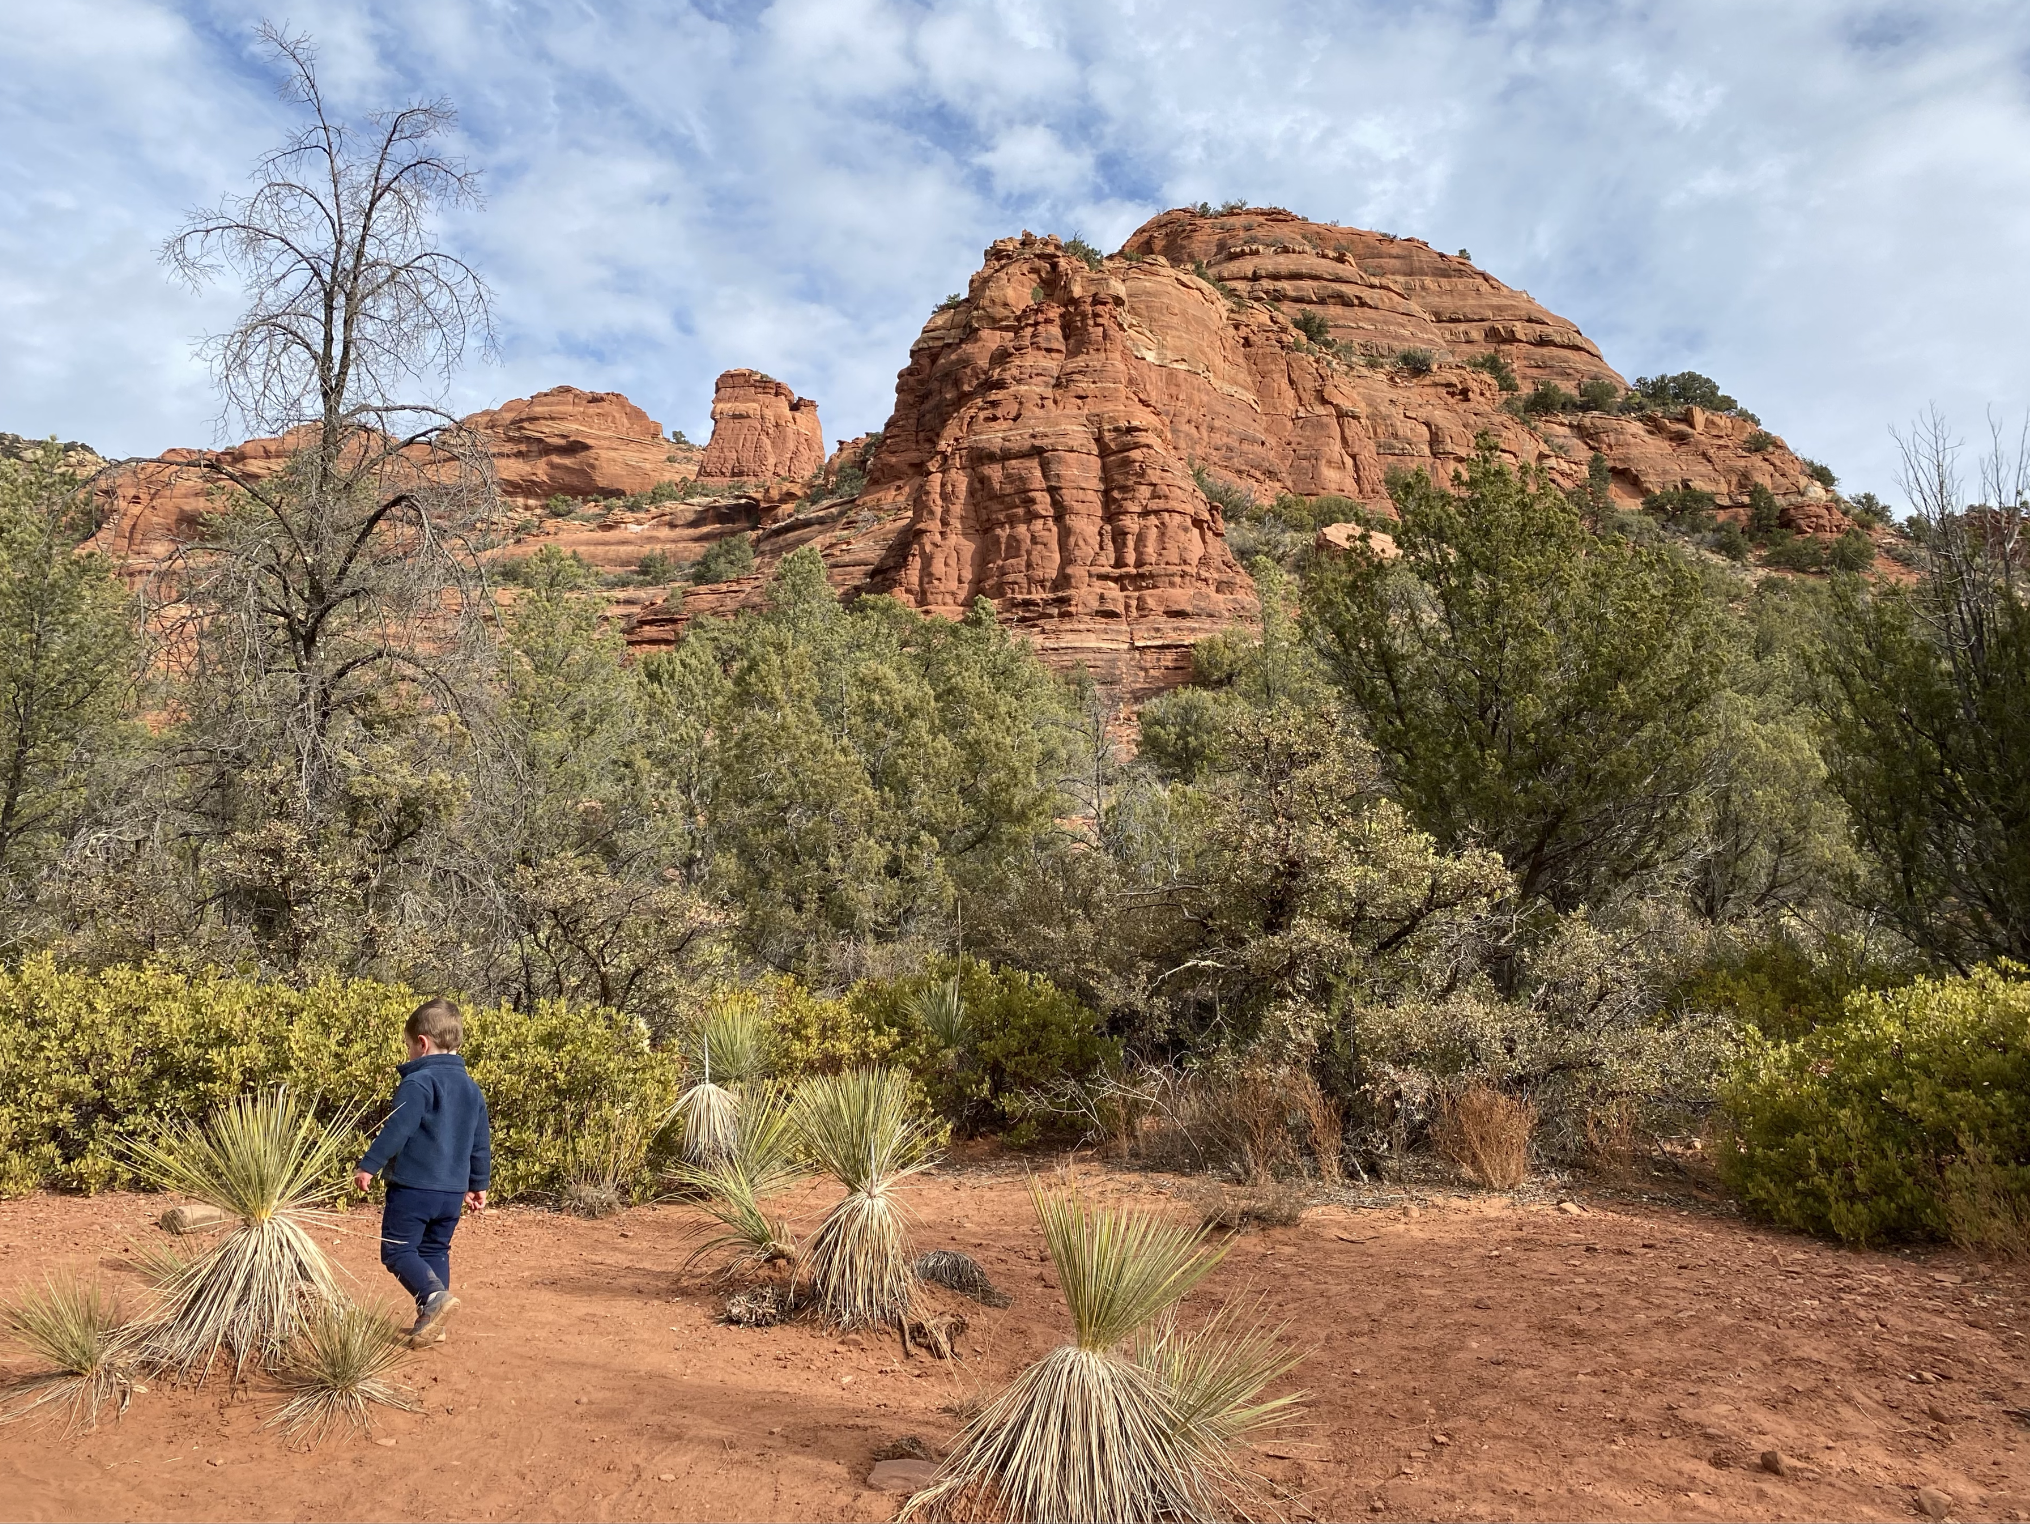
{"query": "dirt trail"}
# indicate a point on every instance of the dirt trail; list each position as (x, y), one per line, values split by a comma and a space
(1474, 1361)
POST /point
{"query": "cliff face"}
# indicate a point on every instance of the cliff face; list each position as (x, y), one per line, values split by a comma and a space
(1045, 432)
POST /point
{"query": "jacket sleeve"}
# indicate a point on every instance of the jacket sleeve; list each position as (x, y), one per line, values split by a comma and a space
(399, 1127)
(482, 1147)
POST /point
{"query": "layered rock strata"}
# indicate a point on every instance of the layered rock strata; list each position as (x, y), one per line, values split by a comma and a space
(761, 432)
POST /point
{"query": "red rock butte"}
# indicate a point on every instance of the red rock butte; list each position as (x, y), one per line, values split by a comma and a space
(1046, 429)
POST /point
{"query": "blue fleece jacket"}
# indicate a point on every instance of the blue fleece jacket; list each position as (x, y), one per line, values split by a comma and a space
(437, 1137)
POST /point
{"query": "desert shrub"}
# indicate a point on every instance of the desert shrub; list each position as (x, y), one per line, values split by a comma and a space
(1869, 511)
(1026, 1036)
(1418, 362)
(1820, 472)
(1798, 553)
(1487, 1134)
(549, 567)
(818, 1035)
(1549, 397)
(559, 506)
(1892, 1122)
(658, 567)
(88, 1058)
(1232, 499)
(1078, 248)
(1673, 393)
(1495, 364)
(1730, 542)
(1313, 326)
(1781, 987)
(1853, 551)
(1759, 440)
(956, 299)
(1765, 514)
(1685, 508)
(724, 560)
(1598, 395)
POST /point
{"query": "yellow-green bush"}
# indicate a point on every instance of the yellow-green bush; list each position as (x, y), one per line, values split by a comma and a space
(1895, 1122)
(1024, 1035)
(816, 1035)
(87, 1058)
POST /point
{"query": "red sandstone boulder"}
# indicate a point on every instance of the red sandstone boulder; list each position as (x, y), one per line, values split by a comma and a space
(570, 443)
(761, 432)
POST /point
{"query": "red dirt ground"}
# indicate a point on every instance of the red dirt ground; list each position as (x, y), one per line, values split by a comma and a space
(1474, 1360)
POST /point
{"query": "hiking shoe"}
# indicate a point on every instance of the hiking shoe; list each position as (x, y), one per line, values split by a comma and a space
(430, 1318)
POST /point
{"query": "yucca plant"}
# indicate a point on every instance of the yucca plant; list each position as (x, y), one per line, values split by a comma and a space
(733, 1045)
(941, 1010)
(76, 1331)
(160, 1263)
(1132, 1420)
(337, 1369)
(863, 1128)
(761, 1163)
(267, 1160)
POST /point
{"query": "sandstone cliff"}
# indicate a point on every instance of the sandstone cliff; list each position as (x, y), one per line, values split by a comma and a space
(761, 432)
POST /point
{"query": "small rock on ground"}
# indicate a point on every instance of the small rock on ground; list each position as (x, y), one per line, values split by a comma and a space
(901, 1475)
(1933, 1503)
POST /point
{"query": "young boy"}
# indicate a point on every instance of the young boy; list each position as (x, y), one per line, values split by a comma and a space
(438, 1154)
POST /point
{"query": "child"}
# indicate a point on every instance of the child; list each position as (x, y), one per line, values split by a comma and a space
(438, 1155)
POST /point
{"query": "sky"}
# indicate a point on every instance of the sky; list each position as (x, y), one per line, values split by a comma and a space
(1825, 207)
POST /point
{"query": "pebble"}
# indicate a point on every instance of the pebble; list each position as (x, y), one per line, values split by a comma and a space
(901, 1475)
(1774, 1463)
(667, 1476)
(1571, 1209)
(1933, 1503)
(385, 1444)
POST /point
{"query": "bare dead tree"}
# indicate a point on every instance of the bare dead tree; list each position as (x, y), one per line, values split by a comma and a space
(328, 622)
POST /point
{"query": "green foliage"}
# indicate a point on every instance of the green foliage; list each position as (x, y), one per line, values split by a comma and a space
(1684, 508)
(1765, 514)
(1865, 1128)
(1078, 248)
(658, 567)
(1418, 362)
(679, 437)
(1313, 326)
(1798, 553)
(1204, 273)
(1232, 499)
(1820, 472)
(1853, 551)
(68, 662)
(1784, 987)
(559, 506)
(1527, 685)
(1730, 542)
(89, 1059)
(1758, 441)
(1869, 511)
(1926, 697)
(1495, 364)
(1598, 395)
(724, 560)
(956, 299)
(1025, 1035)
(1674, 393)
(1549, 397)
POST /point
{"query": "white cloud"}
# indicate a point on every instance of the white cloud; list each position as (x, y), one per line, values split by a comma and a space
(1824, 209)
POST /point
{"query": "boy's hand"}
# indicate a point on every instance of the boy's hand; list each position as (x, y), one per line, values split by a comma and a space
(362, 1181)
(476, 1200)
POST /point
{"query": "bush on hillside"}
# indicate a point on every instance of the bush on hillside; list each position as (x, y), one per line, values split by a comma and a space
(724, 560)
(87, 1059)
(1907, 1119)
(1495, 364)
(1418, 362)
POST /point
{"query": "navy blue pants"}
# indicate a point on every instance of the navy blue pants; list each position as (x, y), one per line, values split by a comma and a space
(416, 1229)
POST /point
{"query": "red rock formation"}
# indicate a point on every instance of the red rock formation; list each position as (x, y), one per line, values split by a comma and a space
(761, 432)
(570, 443)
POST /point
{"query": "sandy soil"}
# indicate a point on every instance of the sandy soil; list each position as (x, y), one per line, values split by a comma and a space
(1472, 1360)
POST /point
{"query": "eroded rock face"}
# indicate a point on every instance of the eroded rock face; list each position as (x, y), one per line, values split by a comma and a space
(761, 432)
(571, 443)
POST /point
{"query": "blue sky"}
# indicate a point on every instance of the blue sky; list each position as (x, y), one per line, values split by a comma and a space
(1825, 207)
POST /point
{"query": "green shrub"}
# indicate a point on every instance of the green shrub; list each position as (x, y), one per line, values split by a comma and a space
(1313, 326)
(1853, 551)
(816, 1035)
(1798, 553)
(1598, 395)
(1025, 1035)
(1078, 248)
(1685, 508)
(1730, 542)
(1232, 499)
(1863, 1129)
(1671, 394)
(559, 506)
(1821, 473)
(1549, 397)
(1759, 440)
(956, 299)
(724, 560)
(1765, 514)
(86, 1059)
(1495, 364)
(1869, 511)
(1418, 362)
(658, 567)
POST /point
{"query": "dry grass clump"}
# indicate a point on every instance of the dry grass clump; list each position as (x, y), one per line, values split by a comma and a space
(759, 1163)
(268, 1162)
(1132, 1420)
(338, 1370)
(1237, 1208)
(864, 1129)
(1984, 1215)
(1324, 1122)
(605, 1159)
(1244, 1115)
(76, 1331)
(1487, 1134)
(1614, 1136)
